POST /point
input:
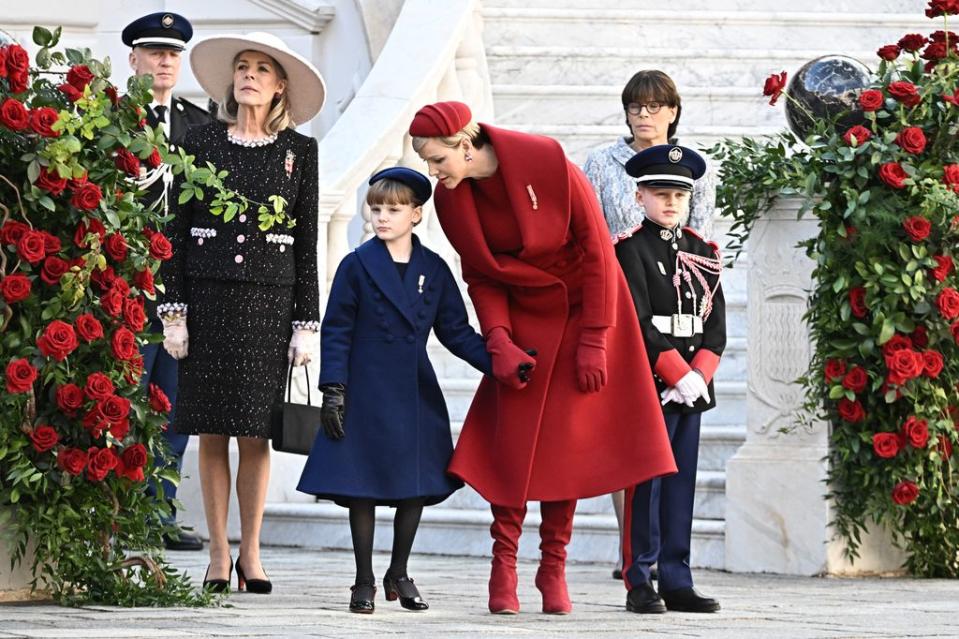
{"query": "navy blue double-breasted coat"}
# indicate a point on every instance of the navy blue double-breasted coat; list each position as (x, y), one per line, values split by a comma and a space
(373, 340)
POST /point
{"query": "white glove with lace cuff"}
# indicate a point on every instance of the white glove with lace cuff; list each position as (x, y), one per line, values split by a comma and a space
(302, 346)
(692, 386)
(176, 340)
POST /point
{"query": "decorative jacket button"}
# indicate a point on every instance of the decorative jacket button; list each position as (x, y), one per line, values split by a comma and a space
(410, 339)
(238, 259)
(688, 294)
(427, 299)
(692, 348)
(243, 217)
(173, 148)
(199, 241)
(241, 239)
(421, 314)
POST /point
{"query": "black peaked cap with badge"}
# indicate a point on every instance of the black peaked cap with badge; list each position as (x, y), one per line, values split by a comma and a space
(163, 30)
(667, 165)
(418, 183)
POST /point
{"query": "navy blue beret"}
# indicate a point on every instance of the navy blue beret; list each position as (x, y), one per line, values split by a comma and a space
(419, 183)
(667, 165)
(163, 30)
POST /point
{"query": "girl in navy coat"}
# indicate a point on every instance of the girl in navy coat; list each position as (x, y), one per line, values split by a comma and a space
(387, 430)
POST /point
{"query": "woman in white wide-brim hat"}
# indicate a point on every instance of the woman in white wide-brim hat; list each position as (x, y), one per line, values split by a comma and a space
(242, 299)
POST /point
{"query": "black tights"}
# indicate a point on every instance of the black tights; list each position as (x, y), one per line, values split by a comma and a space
(362, 522)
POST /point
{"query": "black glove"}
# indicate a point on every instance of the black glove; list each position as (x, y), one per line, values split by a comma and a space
(332, 411)
(524, 369)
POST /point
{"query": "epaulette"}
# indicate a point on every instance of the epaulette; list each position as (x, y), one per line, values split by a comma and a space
(694, 233)
(625, 235)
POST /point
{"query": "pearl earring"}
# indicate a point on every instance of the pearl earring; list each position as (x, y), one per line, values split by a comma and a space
(469, 158)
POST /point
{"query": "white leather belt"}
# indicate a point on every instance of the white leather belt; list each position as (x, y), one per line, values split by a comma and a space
(678, 325)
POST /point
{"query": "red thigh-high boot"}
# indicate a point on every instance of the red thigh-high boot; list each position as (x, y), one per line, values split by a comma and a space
(555, 533)
(506, 528)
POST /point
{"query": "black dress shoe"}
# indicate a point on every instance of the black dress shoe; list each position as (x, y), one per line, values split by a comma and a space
(404, 589)
(688, 600)
(361, 598)
(182, 541)
(653, 574)
(617, 574)
(644, 600)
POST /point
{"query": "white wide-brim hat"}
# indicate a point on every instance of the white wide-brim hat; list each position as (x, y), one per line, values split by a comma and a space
(212, 61)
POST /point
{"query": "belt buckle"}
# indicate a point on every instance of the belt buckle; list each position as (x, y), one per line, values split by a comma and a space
(682, 324)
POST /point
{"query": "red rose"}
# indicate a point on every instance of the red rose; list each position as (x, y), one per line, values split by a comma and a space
(904, 365)
(31, 247)
(58, 340)
(885, 445)
(919, 337)
(41, 119)
(888, 52)
(104, 279)
(51, 243)
(911, 140)
(133, 369)
(111, 92)
(144, 281)
(44, 438)
(79, 76)
(127, 162)
(124, 343)
(944, 447)
(18, 82)
(15, 288)
(855, 380)
(904, 92)
(20, 376)
(835, 368)
(897, 342)
(52, 183)
(12, 231)
(88, 327)
(69, 399)
(116, 246)
(871, 100)
(942, 7)
(91, 226)
(121, 285)
(158, 400)
(155, 159)
(948, 303)
(937, 51)
(912, 42)
(954, 328)
(98, 386)
(133, 315)
(132, 462)
(942, 36)
(905, 493)
(14, 115)
(160, 247)
(53, 270)
(774, 87)
(857, 301)
(851, 412)
(86, 197)
(933, 362)
(917, 227)
(120, 429)
(94, 423)
(70, 91)
(112, 302)
(101, 462)
(893, 174)
(18, 60)
(72, 460)
(857, 135)
(944, 266)
(916, 432)
(114, 408)
(950, 176)
(3, 62)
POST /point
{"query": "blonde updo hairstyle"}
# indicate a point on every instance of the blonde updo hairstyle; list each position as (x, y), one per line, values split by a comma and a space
(277, 119)
(472, 132)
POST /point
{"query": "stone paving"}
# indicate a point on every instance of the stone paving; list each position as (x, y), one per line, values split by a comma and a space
(312, 591)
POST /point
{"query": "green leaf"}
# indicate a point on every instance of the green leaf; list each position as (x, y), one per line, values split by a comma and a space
(837, 392)
(185, 195)
(887, 331)
(42, 37)
(47, 203)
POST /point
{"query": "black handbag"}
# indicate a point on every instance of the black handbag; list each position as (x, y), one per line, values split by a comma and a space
(295, 426)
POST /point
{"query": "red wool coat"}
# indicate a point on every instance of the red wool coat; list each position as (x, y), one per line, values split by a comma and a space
(550, 441)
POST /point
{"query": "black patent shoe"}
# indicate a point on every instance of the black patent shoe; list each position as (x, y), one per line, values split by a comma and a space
(617, 574)
(688, 600)
(182, 540)
(256, 586)
(404, 589)
(218, 585)
(645, 600)
(361, 599)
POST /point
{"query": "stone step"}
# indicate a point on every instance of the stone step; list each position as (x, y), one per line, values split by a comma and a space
(601, 105)
(716, 29)
(592, 65)
(692, 7)
(450, 531)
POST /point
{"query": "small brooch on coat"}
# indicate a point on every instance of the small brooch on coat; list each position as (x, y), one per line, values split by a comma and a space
(281, 239)
(288, 164)
(532, 196)
(201, 233)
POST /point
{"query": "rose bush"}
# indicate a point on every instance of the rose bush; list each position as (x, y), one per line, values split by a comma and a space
(884, 308)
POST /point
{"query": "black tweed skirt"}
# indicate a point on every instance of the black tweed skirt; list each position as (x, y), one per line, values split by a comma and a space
(235, 371)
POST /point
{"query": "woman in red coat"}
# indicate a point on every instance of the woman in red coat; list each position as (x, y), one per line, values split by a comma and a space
(581, 417)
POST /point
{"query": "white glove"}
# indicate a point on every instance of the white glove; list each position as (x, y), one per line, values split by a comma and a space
(692, 386)
(671, 395)
(176, 340)
(302, 347)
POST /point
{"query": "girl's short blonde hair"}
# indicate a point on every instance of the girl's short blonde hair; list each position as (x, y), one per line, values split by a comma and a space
(388, 192)
(277, 119)
(472, 132)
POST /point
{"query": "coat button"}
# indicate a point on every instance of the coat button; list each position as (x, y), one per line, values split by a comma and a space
(427, 299)
(377, 296)
(384, 324)
(688, 294)
(173, 148)
(282, 248)
(432, 287)
(692, 348)
(421, 314)
(199, 241)
(243, 217)
(238, 259)
(241, 238)
(410, 339)
(675, 246)
(389, 338)
(380, 310)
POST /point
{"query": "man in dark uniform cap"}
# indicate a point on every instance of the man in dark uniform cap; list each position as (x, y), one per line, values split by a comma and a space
(673, 276)
(157, 41)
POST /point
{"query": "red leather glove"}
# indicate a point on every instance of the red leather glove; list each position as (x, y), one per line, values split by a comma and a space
(508, 358)
(591, 360)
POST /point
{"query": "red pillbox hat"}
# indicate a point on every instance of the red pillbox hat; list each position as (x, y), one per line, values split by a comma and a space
(441, 119)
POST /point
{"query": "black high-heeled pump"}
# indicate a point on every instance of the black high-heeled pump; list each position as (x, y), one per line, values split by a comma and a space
(402, 588)
(218, 585)
(256, 586)
(361, 598)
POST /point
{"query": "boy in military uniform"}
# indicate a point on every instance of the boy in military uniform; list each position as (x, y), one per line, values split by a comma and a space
(673, 276)
(156, 42)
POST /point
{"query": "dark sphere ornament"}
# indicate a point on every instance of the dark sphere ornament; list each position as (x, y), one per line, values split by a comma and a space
(826, 87)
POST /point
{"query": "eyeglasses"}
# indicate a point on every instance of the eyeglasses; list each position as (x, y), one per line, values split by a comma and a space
(652, 108)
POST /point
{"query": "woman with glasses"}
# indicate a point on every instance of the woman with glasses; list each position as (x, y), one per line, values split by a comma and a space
(652, 107)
